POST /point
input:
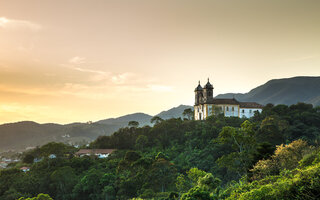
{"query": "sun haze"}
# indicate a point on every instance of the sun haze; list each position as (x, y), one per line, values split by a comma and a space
(66, 61)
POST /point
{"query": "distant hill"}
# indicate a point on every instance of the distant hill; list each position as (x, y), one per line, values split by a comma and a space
(142, 118)
(20, 135)
(175, 112)
(283, 91)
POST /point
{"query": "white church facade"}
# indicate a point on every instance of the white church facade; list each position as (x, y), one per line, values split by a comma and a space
(206, 105)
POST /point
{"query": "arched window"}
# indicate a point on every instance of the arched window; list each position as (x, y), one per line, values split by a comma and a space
(227, 108)
(232, 108)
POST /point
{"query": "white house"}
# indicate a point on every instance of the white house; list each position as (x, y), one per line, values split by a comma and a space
(206, 105)
(100, 153)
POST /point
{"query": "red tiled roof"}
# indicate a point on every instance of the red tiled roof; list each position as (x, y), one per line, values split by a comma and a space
(24, 168)
(250, 105)
(233, 102)
(223, 101)
(95, 151)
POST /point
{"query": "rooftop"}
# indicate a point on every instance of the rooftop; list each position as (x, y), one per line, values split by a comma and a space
(95, 151)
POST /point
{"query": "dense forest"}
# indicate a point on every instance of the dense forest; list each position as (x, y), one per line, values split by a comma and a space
(273, 155)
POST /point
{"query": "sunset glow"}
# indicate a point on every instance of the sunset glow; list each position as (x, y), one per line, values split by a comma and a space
(77, 60)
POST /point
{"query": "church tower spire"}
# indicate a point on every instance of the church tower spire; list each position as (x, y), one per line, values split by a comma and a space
(198, 94)
(208, 92)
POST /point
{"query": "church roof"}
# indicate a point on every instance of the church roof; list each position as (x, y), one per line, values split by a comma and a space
(223, 101)
(250, 105)
(233, 102)
(198, 88)
(94, 151)
(208, 85)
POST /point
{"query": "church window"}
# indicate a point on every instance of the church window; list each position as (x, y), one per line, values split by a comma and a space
(243, 111)
(232, 108)
(227, 108)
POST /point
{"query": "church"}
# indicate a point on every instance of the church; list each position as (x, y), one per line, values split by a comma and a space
(205, 105)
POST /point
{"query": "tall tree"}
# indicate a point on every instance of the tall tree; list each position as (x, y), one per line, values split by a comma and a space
(188, 113)
(243, 144)
(134, 124)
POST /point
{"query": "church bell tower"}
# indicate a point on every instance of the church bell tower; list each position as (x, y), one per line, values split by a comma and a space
(208, 92)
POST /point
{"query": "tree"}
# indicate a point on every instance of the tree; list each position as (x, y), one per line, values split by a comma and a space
(209, 182)
(163, 174)
(39, 197)
(272, 130)
(182, 184)
(89, 187)
(194, 174)
(156, 120)
(242, 141)
(28, 158)
(141, 142)
(188, 113)
(134, 124)
(196, 193)
(131, 156)
(63, 180)
(286, 157)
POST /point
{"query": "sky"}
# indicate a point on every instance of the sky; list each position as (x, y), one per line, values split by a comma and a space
(87, 60)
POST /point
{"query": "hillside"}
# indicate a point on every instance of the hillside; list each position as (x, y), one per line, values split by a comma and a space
(20, 135)
(283, 91)
(175, 112)
(219, 158)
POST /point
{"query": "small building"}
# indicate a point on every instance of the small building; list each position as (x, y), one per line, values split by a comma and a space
(36, 160)
(3, 165)
(25, 169)
(52, 156)
(205, 105)
(100, 153)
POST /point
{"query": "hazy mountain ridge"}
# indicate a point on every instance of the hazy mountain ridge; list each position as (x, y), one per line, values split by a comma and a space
(283, 91)
(21, 135)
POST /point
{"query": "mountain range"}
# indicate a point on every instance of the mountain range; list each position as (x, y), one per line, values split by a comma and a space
(21, 135)
(27, 134)
(283, 91)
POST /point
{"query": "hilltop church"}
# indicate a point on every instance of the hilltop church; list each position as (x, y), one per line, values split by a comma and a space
(206, 105)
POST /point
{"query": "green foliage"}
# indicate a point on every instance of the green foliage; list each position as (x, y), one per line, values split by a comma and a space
(243, 143)
(301, 183)
(58, 149)
(134, 124)
(39, 197)
(286, 157)
(194, 174)
(196, 193)
(141, 142)
(188, 113)
(218, 158)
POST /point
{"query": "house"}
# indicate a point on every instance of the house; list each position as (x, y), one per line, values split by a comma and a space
(3, 164)
(25, 169)
(100, 153)
(52, 156)
(205, 105)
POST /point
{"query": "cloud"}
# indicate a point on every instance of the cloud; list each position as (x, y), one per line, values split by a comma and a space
(12, 24)
(160, 88)
(302, 58)
(77, 60)
(121, 78)
(78, 63)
